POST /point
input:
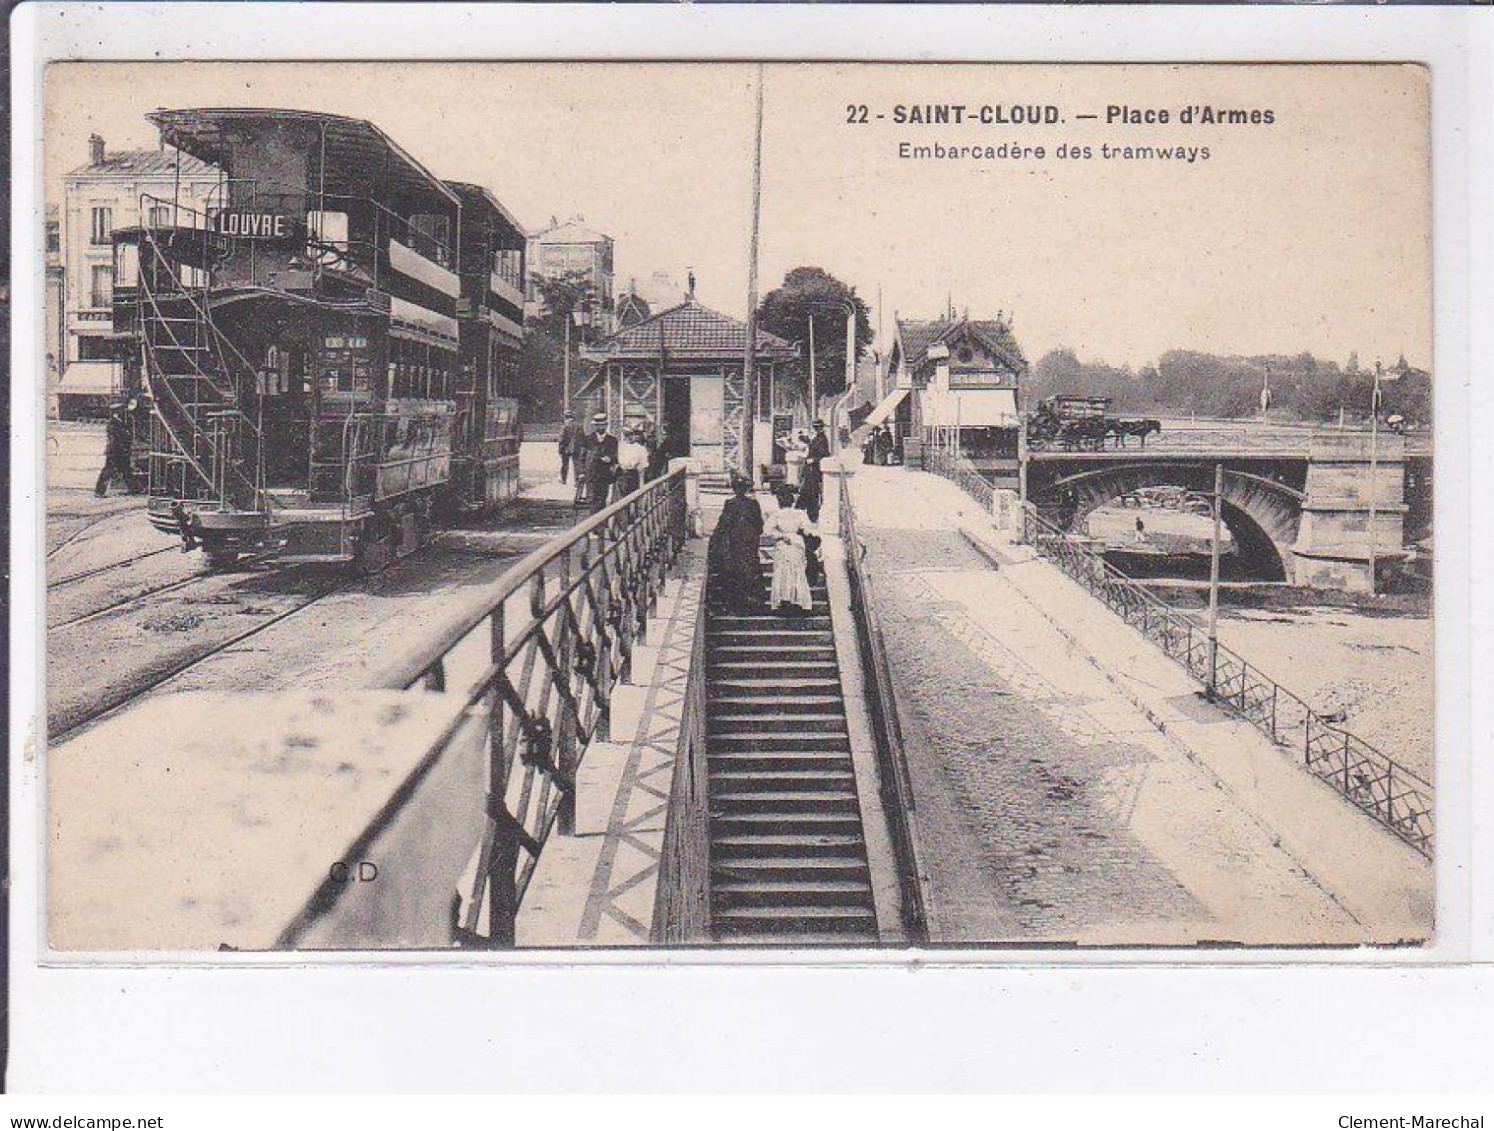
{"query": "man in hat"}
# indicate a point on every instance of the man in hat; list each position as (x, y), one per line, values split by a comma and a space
(812, 493)
(601, 464)
(117, 439)
(581, 453)
(570, 437)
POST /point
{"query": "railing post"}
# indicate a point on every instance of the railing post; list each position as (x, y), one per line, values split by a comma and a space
(566, 758)
(1273, 711)
(503, 860)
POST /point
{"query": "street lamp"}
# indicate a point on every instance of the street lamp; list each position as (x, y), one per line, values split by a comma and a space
(578, 316)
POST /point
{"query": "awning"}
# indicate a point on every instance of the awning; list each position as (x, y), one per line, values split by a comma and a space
(883, 411)
(90, 378)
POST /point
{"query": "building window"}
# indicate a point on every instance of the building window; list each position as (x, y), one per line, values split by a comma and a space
(93, 348)
(103, 225)
(160, 215)
(54, 236)
(101, 290)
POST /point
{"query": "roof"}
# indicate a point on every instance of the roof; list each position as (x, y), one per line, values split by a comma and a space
(571, 231)
(688, 330)
(158, 162)
(350, 144)
(916, 337)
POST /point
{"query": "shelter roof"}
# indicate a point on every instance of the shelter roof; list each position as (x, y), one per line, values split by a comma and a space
(689, 330)
(480, 197)
(915, 338)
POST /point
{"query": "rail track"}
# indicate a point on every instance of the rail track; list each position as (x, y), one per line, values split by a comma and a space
(83, 575)
(186, 663)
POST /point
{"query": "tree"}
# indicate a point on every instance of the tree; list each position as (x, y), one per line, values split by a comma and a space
(561, 297)
(542, 362)
(812, 292)
(1353, 366)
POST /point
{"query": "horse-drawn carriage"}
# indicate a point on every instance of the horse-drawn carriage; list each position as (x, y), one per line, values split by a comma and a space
(1082, 424)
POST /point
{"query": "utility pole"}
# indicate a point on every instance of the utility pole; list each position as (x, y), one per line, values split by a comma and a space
(566, 387)
(1374, 487)
(749, 354)
(1214, 582)
(850, 369)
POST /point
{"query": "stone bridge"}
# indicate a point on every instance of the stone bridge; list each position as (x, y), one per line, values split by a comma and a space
(1298, 510)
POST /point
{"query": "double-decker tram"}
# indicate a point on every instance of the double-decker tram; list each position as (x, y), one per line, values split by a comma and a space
(328, 378)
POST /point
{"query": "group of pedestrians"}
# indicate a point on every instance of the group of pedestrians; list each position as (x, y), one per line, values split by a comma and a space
(604, 467)
(879, 447)
(793, 538)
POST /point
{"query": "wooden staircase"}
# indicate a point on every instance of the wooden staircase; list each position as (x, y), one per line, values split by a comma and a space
(788, 856)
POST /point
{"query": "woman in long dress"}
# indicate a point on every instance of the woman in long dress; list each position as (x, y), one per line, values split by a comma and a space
(734, 549)
(785, 529)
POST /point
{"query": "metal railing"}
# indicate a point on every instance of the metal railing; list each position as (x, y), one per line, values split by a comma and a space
(949, 463)
(542, 691)
(682, 911)
(1395, 796)
(895, 783)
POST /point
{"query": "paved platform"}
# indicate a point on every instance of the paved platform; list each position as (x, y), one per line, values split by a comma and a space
(1073, 787)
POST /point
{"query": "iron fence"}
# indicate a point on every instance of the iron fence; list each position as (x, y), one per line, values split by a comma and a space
(894, 782)
(1397, 797)
(543, 686)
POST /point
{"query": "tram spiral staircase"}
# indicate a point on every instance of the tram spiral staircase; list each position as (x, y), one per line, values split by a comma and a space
(788, 856)
(186, 362)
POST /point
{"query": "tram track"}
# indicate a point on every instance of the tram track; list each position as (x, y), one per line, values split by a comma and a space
(84, 575)
(124, 602)
(185, 664)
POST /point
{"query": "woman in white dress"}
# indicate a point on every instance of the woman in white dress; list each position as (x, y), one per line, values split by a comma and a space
(785, 529)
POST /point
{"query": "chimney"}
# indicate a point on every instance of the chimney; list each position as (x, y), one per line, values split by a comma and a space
(95, 149)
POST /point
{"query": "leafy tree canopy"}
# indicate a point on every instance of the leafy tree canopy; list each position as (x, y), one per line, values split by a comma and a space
(1189, 383)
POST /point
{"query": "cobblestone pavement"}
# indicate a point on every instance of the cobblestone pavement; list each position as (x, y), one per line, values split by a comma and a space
(1050, 807)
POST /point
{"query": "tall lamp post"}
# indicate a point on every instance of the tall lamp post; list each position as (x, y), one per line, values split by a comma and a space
(1374, 487)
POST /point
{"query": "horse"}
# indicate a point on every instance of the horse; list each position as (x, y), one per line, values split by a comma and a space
(1141, 429)
(1086, 432)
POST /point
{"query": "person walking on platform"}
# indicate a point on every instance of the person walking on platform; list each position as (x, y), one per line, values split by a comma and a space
(734, 549)
(581, 453)
(601, 465)
(812, 493)
(884, 446)
(658, 458)
(786, 529)
(570, 440)
(118, 437)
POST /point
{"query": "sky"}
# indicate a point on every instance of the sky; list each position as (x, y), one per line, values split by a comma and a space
(1311, 232)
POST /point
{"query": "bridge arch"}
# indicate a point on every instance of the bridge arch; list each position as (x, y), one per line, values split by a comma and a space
(1262, 514)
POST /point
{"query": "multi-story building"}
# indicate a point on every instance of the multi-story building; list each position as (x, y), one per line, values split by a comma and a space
(109, 192)
(573, 249)
(56, 344)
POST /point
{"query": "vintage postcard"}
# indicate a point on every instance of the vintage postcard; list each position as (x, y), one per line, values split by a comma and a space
(565, 506)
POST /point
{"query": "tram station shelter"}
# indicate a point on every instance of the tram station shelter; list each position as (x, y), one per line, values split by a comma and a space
(956, 377)
(682, 368)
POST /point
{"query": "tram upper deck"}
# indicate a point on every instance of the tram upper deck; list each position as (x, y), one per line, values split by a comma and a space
(300, 335)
